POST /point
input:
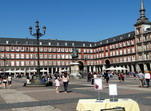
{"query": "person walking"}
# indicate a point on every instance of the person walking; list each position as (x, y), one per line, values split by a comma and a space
(9, 81)
(5, 82)
(57, 82)
(141, 78)
(107, 77)
(147, 78)
(65, 80)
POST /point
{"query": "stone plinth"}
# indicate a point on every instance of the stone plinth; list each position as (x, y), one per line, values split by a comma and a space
(75, 70)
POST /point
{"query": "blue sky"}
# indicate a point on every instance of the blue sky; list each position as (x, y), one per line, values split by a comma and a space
(80, 20)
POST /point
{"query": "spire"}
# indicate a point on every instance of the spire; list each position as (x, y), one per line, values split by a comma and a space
(142, 9)
(142, 19)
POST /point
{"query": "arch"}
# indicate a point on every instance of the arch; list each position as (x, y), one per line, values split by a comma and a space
(81, 65)
(107, 63)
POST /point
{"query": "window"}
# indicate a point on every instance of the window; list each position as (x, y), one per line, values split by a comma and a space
(106, 54)
(27, 56)
(138, 31)
(117, 52)
(120, 44)
(45, 49)
(116, 45)
(124, 43)
(12, 56)
(22, 56)
(22, 63)
(17, 63)
(124, 51)
(7, 42)
(49, 43)
(72, 44)
(40, 43)
(121, 52)
(7, 48)
(12, 63)
(32, 49)
(128, 50)
(110, 53)
(132, 42)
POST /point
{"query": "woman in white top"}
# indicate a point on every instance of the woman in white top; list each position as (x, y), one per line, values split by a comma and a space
(65, 80)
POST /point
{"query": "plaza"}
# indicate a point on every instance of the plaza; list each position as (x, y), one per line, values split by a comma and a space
(20, 98)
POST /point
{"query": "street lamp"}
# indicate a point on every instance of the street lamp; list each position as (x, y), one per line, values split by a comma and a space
(37, 35)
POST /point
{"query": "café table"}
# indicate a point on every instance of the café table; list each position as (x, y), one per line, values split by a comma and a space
(95, 105)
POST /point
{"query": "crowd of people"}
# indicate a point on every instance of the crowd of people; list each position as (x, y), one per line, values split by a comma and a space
(5, 81)
(144, 78)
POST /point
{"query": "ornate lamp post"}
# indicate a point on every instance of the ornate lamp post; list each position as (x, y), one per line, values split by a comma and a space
(37, 35)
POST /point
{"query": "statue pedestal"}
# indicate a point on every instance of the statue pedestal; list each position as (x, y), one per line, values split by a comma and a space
(75, 71)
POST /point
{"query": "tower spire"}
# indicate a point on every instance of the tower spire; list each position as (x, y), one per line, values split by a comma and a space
(142, 19)
(142, 10)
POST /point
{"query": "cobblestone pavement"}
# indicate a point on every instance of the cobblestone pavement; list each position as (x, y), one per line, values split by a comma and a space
(31, 98)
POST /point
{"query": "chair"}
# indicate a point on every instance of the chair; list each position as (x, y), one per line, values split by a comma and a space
(114, 109)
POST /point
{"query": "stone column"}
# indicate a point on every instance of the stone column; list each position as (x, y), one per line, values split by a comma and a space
(90, 69)
(145, 67)
(52, 71)
(128, 68)
(137, 68)
(94, 69)
(132, 67)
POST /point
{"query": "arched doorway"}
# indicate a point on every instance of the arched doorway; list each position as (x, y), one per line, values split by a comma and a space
(107, 63)
(81, 67)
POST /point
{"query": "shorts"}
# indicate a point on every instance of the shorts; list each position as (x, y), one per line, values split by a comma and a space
(9, 82)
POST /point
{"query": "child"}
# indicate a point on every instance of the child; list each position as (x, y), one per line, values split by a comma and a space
(57, 81)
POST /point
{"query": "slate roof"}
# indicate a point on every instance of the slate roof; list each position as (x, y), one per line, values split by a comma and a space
(65, 43)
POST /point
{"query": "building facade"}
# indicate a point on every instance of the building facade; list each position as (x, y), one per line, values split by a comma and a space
(131, 50)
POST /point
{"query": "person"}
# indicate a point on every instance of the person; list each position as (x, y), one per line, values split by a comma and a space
(49, 81)
(1, 81)
(4, 82)
(107, 77)
(88, 77)
(122, 76)
(57, 82)
(28, 81)
(141, 78)
(147, 78)
(9, 81)
(65, 80)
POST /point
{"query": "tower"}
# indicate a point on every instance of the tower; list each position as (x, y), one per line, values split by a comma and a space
(141, 27)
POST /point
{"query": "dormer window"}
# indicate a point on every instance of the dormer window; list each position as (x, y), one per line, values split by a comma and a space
(40, 43)
(66, 44)
(49, 43)
(17, 42)
(7, 42)
(83, 45)
(27, 42)
(72, 44)
(57, 44)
